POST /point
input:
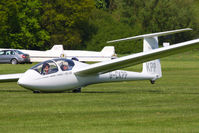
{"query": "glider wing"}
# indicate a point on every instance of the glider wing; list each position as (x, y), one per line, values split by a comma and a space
(10, 77)
(134, 59)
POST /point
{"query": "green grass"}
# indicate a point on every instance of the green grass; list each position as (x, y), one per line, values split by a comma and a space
(171, 105)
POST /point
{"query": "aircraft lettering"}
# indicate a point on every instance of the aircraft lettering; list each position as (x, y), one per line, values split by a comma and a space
(151, 67)
(118, 75)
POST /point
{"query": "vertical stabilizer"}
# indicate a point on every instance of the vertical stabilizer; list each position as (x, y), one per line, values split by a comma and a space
(154, 66)
(108, 51)
(57, 48)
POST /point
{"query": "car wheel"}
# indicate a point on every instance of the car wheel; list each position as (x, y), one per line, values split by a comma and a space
(14, 61)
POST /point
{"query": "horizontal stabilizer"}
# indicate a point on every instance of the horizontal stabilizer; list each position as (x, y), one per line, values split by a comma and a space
(151, 35)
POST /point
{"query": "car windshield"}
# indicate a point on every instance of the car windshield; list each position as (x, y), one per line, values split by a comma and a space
(18, 52)
(45, 68)
(65, 64)
(2, 52)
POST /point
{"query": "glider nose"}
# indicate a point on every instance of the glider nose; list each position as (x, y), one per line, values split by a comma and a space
(22, 82)
(26, 80)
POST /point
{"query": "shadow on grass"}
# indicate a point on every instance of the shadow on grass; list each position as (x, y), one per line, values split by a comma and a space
(133, 91)
(14, 91)
(102, 92)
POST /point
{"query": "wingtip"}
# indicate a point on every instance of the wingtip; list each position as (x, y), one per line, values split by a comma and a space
(188, 29)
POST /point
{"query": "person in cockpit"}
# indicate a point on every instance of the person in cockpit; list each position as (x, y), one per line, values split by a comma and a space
(45, 68)
(64, 66)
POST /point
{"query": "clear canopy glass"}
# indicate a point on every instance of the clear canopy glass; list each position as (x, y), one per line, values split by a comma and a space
(51, 66)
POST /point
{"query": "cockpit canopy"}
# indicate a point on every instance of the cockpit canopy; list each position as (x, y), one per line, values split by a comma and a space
(53, 66)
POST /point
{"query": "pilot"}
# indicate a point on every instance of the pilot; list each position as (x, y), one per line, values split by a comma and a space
(45, 68)
(64, 66)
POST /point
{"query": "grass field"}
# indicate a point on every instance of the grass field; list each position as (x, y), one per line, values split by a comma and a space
(169, 106)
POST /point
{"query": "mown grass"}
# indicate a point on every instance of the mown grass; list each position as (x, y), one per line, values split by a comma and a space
(171, 105)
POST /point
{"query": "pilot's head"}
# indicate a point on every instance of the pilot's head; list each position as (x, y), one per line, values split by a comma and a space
(64, 66)
(46, 67)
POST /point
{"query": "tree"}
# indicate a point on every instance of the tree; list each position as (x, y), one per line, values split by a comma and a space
(21, 24)
(100, 4)
(66, 20)
(160, 15)
(106, 29)
(7, 9)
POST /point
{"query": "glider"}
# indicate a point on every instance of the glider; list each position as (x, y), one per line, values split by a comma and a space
(57, 51)
(62, 74)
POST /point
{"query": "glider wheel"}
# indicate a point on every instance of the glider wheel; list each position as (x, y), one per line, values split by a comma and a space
(78, 90)
(152, 81)
(36, 91)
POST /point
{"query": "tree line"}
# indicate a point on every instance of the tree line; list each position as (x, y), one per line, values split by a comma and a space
(88, 24)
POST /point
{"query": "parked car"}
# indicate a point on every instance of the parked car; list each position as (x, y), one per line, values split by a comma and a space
(13, 57)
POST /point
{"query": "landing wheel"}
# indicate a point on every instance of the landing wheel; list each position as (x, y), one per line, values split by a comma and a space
(78, 90)
(36, 91)
(152, 81)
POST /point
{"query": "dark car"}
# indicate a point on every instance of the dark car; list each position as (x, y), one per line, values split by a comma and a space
(13, 57)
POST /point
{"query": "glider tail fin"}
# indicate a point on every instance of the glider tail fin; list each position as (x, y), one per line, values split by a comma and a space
(109, 51)
(154, 66)
(57, 48)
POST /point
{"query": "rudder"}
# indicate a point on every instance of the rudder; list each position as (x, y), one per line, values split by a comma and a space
(154, 66)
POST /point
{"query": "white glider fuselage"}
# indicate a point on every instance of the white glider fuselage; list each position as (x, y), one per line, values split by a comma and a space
(67, 80)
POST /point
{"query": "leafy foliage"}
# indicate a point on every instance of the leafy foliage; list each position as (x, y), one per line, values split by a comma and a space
(106, 29)
(100, 4)
(21, 24)
(135, 17)
(65, 21)
(88, 24)
(160, 15)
